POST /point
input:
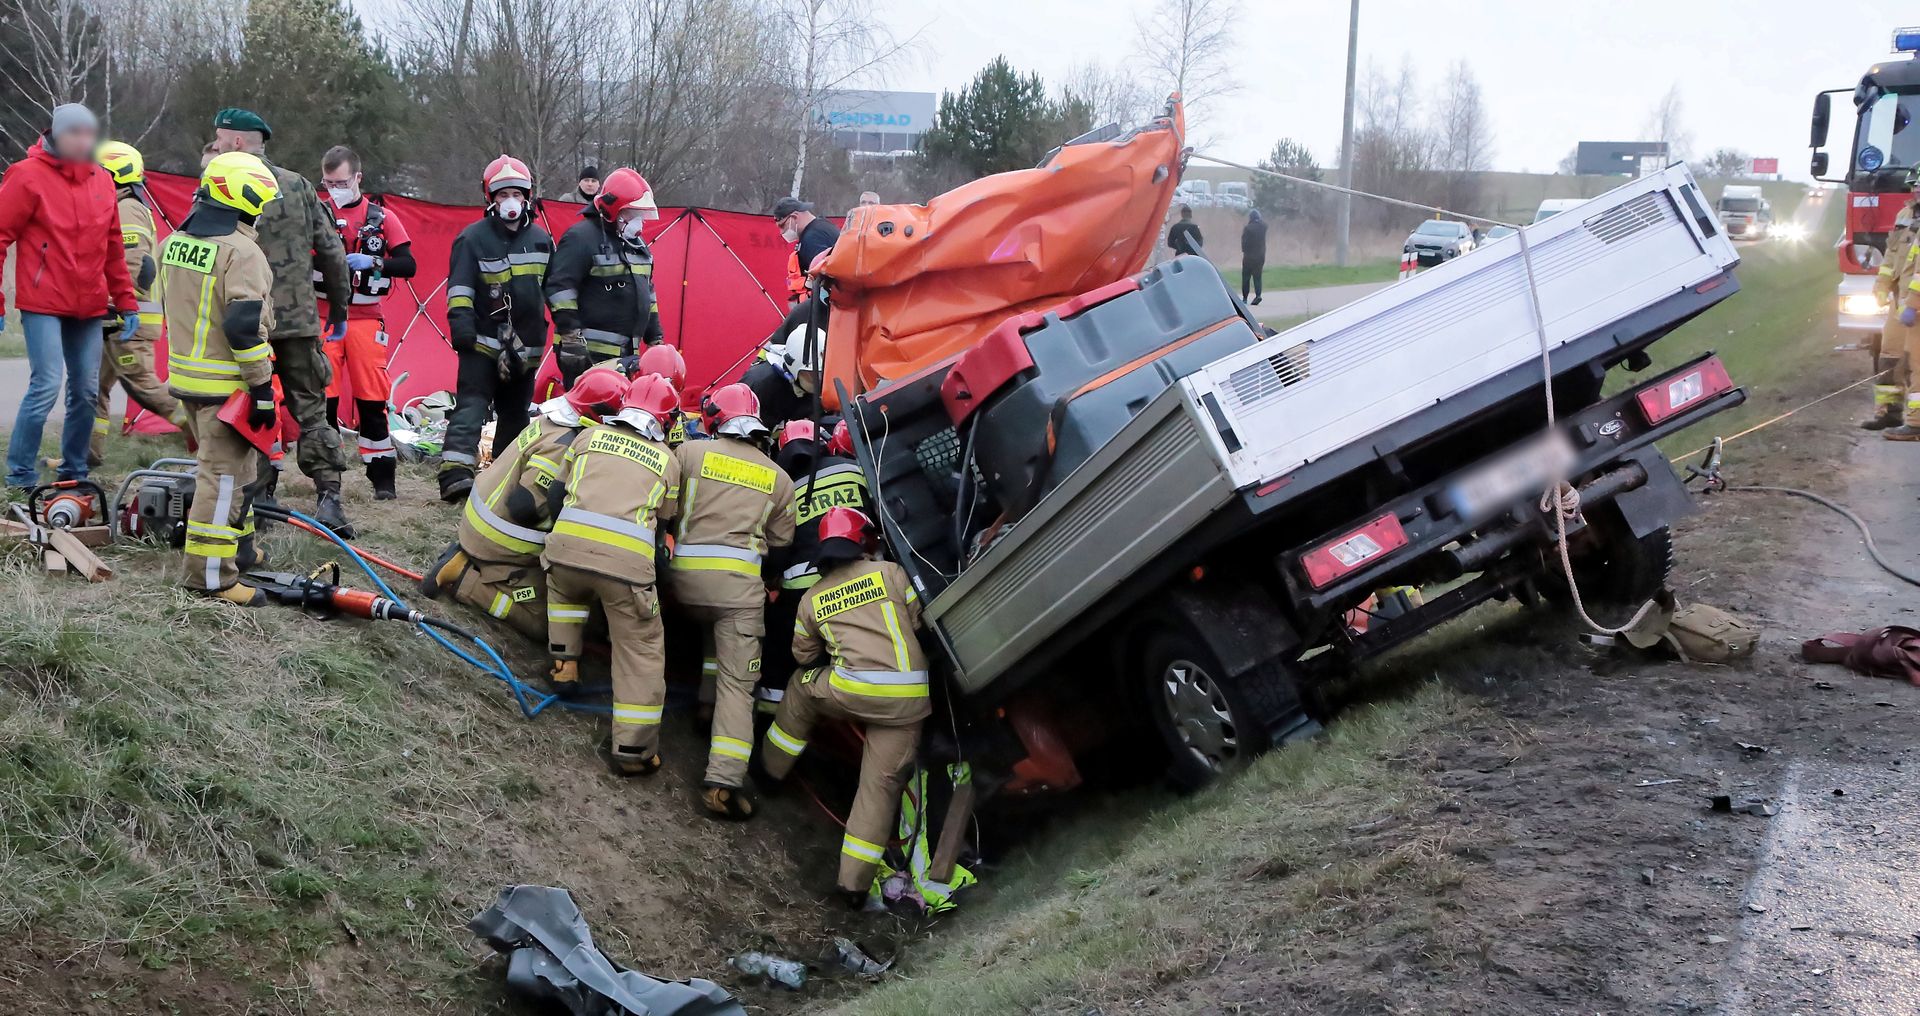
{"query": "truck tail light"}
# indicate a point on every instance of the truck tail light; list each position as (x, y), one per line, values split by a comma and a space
(1677, 393)
(1353, 551)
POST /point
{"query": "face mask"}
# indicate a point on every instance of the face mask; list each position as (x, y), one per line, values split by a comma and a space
(630, 230)
(789, 235)
(343, 196)
(509, 209)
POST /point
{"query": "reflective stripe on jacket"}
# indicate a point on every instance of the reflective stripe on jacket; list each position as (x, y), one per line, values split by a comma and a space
(511, 509)
(620, 487)
(734, 505)
(217, 294)
(859, 620)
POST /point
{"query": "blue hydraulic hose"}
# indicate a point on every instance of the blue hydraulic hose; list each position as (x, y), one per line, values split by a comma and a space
(531, 702)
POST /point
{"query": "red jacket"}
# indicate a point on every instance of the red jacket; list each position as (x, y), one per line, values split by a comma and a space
(64, 221)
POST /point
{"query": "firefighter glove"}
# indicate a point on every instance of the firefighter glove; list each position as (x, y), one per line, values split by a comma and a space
(571, 356)
(260, 411)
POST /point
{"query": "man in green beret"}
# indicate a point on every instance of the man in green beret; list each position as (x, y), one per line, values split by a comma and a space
(299, 239)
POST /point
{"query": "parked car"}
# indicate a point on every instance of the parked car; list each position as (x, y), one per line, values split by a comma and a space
(1438, 240)
(1235, 195)
(1554, 206)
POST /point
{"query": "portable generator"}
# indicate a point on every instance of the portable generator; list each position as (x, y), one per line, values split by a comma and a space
(152, 503)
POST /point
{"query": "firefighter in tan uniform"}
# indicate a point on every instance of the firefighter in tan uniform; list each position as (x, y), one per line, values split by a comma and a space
(1903, 325)
(1889, 347)
(495, 563)
(861, 662)
(622, 485)
(734, 504)
(129, 358)
(218, 299)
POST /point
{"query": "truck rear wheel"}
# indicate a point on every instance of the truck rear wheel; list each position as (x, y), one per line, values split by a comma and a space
(1213, 723)
(1617, 572)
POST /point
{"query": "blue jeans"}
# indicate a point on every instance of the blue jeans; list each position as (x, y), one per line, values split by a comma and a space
(52, 341)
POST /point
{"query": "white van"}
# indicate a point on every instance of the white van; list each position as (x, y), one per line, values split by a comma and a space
(1234, 194)
(1554, 206)
(1194, 193)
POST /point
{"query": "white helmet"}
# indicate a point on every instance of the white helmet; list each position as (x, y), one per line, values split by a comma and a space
(794, 354)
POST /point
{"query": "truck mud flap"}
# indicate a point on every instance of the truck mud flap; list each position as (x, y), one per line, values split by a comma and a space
(1657, 503)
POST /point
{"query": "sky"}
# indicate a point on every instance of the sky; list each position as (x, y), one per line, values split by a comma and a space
(1551, 74)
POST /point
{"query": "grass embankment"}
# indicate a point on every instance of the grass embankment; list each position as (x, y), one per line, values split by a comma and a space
(1274, 863)
(181, 781)
(269, 812)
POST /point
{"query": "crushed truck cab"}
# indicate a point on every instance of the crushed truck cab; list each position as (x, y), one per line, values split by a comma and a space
(1140, 489)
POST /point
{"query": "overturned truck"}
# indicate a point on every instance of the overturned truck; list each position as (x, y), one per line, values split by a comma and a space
(1135, 508)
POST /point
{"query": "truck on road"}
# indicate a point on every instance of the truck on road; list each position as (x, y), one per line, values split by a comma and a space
(1139, 520)
(1744, 211)
(1884, 149)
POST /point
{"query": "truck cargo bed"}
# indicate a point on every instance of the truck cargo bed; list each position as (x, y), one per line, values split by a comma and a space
(1424, 355)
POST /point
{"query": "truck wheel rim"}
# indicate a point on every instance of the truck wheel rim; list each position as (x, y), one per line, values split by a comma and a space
(1200, 714)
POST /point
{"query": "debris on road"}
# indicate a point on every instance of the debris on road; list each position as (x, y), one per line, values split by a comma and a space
(1753, 749)
(1892, 652)
(1655, 783)
(854, 959)
(776, 969)
(551, 957)
(1724, 804)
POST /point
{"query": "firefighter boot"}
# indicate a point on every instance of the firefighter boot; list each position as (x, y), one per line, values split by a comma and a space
(249, 555)
(327, 510)
(1888, 418)
(446, 572)
(380, 473)
(564, 679)
(456, 482)
(627, 761)
(730, 803)
(1904, 432)
(240, 594)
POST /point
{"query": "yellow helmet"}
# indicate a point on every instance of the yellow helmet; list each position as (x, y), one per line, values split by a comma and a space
(239, 181)
(123, 161)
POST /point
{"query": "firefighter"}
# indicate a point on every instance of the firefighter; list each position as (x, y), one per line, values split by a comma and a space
(822, 480)
(217, 296)
(128, 358)
(1903, 332)
(494, 564)
(496, 312)
(787, 376)
(1891, 388)
(378, 252)
(601, 284)
(855, 634)
(622, 484)
(735, 504)
(667, 362)
(299, 239)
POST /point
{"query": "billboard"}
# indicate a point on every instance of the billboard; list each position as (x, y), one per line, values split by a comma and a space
(1619, 158)
(900, 113)
(1766, 167)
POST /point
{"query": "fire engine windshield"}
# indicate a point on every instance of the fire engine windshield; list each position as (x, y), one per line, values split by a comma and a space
(1888, 138)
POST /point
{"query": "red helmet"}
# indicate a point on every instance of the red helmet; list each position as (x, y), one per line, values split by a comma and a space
(653, 395)
(728, 403)
(798, 430)
(506, 171)
(598, 393)
(852, 524)
(625, 188)
(665, 361)
(841, 443)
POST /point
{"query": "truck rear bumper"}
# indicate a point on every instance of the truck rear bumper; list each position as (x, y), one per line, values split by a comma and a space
(1618, 463)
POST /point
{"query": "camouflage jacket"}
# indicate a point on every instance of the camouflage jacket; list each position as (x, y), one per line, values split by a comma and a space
(298, 237)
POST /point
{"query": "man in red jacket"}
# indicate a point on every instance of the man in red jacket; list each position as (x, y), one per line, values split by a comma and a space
(58, 208)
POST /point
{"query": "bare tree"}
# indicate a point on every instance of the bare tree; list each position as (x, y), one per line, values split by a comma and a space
(1730, 163)
(833, 45)
(1569, 163)
(53, 53)
(1465, 135)
(1110, 94)
(1667, 122)
(1187, 45)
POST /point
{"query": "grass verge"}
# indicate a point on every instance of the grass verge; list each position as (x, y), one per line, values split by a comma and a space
(1276, 862)
(1310, 276)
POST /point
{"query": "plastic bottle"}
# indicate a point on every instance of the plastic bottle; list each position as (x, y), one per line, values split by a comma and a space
(784, 972)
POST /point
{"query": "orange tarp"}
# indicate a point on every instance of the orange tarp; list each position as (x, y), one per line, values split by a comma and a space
(914, 284)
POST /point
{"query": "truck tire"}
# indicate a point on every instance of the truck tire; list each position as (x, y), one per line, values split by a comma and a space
(1617, 574)
(1210, 722)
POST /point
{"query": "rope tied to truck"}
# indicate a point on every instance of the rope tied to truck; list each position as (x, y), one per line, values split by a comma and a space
(1561, 499)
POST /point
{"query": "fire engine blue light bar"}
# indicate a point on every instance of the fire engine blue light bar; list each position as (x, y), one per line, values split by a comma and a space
(1906, 40)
